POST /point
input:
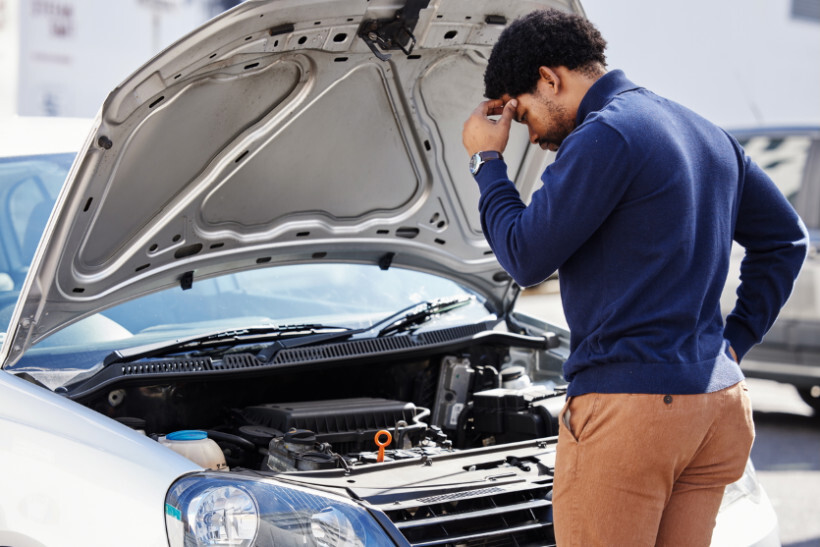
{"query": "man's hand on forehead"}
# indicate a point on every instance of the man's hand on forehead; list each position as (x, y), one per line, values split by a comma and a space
(495, 106)
(481, 133)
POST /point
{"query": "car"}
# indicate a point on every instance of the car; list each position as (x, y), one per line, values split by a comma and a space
(790, 351)
(263, 312)
(35, 157)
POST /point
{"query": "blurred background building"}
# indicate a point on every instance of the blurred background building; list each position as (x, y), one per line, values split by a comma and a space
(62, 57)
(740, 63)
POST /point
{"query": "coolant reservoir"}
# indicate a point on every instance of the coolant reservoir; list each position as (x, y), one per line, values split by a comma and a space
(515, 377)
(197, 447)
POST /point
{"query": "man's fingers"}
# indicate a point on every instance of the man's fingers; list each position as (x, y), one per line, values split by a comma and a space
(491, 107)
(482, 133)
(482, 109)
(508, 114)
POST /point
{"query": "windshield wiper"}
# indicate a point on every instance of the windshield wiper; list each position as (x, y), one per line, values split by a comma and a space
(407, 317)
(417, 314)
(220, 338)
(297, 335)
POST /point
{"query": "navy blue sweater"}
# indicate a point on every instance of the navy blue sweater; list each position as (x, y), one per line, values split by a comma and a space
(637, 213)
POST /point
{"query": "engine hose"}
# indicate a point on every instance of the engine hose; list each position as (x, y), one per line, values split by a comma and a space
(241, 442)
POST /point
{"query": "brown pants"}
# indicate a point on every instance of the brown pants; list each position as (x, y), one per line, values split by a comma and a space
(636, 469)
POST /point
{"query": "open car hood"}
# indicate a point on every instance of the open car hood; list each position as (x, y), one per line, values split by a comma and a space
(282, 131)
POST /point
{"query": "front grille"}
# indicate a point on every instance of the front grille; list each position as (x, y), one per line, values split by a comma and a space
(511, 515)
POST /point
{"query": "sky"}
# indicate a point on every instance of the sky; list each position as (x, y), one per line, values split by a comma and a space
(739, 63)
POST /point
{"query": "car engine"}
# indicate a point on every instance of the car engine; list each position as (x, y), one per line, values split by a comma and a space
(329, 413)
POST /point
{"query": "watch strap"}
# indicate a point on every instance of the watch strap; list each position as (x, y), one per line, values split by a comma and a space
(480, 158)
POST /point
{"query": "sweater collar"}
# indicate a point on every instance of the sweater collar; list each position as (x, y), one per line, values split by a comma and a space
(608, 86)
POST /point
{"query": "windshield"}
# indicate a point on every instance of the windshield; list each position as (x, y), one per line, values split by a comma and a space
(338, 295)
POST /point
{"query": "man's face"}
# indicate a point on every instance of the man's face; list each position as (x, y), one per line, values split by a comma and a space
(548, 122)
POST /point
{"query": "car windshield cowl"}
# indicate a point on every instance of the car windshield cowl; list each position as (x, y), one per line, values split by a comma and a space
(291, 336)
(230, 337)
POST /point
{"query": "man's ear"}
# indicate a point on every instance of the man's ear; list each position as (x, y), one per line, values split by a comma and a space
(549, 79)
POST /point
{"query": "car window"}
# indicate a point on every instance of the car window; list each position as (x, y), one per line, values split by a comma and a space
(343, 295)
(29, 186)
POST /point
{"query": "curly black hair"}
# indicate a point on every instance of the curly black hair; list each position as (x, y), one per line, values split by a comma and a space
(548, 38)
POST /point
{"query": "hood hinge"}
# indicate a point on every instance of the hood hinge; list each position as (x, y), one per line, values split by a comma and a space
(395, 33)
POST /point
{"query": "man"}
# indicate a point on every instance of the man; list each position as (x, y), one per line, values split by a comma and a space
(637, 212)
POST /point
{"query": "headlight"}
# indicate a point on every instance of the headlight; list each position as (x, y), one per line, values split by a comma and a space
(224, 515)
(746, 486)
(212, 509)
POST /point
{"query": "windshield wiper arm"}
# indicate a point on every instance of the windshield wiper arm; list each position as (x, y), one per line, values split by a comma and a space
(219, 338)
(420, 313)
(407, 317)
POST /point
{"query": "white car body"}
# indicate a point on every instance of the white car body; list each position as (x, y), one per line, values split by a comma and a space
(78, 478)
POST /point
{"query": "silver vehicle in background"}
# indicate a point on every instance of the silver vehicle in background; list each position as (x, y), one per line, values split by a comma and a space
(790, 351)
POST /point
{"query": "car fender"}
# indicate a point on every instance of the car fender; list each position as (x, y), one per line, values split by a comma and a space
(69, 473)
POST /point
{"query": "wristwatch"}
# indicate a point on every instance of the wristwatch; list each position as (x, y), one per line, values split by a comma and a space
(480, 158)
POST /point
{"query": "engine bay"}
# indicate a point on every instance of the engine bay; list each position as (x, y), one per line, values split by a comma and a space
(346, 413)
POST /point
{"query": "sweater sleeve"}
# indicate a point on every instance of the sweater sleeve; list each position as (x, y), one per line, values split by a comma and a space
(776, 243)
(580, 189)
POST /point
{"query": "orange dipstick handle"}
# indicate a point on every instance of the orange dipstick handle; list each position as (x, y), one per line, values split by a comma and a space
(381, 445)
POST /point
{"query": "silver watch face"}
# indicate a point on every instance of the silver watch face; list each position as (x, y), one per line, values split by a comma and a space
(475, 163)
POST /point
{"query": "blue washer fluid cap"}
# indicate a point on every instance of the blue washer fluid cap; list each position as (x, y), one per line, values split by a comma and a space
(187, 435)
